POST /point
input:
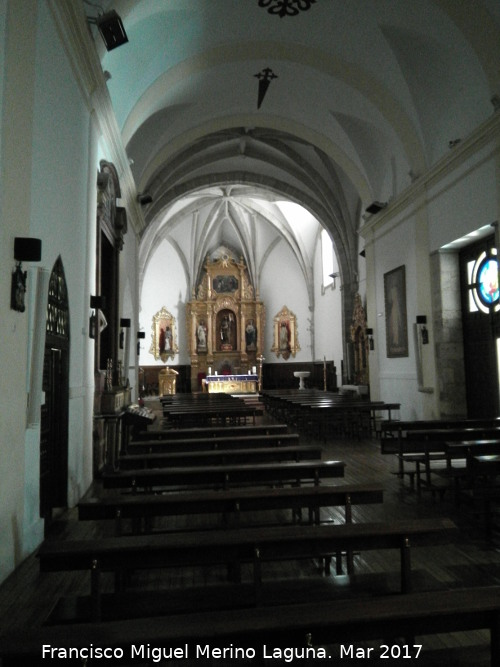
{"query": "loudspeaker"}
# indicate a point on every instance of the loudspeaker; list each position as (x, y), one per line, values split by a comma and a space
(145, 199)
(27, 249)
(375, 207)
(98, 302)
(112, 31)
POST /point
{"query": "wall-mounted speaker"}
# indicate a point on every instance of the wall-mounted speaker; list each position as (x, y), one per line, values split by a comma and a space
(27, 249)
(111, 29)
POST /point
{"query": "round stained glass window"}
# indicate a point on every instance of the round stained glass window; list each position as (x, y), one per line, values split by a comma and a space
(487, 279)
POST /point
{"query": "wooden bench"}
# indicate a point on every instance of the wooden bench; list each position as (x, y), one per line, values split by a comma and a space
(251, 545)
(192, 409)
(482, 491)
(217, 442)
(307, 627)
(219, 457)
(422, 447)
(212, 432)
(323, 413)
(397, 428)
(230, 504)
(183, 417)
(224, 476)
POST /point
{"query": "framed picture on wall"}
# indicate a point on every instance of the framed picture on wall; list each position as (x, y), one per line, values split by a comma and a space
(395, 313)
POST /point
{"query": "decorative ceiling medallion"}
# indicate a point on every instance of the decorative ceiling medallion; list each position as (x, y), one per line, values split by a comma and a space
(286, 7)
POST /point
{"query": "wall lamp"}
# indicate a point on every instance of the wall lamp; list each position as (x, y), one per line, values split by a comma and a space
(124, 324)
(97, 319)
(371, 342)
(25, 250)
(140, 336)
(421, 322)
(334, 276)
(110, 27)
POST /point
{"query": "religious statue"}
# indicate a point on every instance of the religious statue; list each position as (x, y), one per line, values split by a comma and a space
(201, 335)
(284, 336)
(250, 335)
(165, 339)
(226, 331)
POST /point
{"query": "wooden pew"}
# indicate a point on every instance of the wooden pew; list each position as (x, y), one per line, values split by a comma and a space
(255, 546)
(325, 413)
(194, 410)
(231, 503)
(421, 447)
(224, 476)
(238, 455)
(303, 629)
(391, 429)
(181, 417)
(432, 444)
(216, 442)
(483, 489)
(459, 454)
(212, 432)
(141, 510)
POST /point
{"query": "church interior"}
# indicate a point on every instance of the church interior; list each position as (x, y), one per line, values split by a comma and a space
(251, 308)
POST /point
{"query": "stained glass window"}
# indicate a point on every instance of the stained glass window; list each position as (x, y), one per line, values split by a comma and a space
(483, 283)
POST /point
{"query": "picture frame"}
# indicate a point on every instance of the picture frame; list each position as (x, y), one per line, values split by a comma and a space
(163, 336)
(396, 326)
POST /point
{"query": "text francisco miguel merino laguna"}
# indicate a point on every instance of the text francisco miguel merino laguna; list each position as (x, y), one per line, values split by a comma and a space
(198, 651)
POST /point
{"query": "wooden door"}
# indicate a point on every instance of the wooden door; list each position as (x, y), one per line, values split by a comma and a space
(54, 412)
(481, 328)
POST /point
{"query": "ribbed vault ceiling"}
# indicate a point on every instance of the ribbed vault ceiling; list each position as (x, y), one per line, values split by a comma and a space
(368, 95)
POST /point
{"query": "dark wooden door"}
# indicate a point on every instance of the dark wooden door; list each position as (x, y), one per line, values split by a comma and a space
(54, 412)
(481, 330)
(54, 433)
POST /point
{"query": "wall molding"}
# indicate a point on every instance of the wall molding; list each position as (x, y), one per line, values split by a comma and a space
(486, 134)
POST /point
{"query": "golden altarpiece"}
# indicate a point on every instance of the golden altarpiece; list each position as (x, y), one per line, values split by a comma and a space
(225, 321)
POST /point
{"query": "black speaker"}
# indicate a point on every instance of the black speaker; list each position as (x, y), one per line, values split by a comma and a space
(112, 31)
(98, 302)
(27, 249)
(375, 207)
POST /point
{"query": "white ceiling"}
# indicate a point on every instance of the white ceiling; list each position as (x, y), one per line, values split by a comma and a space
(368, 95)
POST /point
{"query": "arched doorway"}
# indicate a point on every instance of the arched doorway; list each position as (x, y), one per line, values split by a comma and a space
(54, 411)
